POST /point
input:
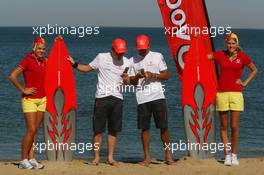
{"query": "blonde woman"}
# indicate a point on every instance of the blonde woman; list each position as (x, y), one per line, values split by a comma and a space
(33, 68)
(229, 99)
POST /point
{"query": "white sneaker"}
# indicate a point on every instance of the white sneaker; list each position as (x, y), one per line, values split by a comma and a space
(35, 164)
(228, 160)
(234, 160)
(24, 164)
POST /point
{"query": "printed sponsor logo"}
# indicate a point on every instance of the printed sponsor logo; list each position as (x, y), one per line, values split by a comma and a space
(178, 18)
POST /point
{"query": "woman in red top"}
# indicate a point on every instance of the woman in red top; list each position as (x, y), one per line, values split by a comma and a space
(33, 98)
(229, 98)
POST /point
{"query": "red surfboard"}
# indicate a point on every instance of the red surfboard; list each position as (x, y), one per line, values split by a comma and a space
(60, 116)
(198, 100)
(199, 83)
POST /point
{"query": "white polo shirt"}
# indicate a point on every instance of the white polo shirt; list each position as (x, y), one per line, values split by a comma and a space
(109, 75)
(148, 90)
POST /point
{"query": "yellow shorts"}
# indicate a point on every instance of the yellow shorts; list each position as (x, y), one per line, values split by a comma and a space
(226, 101)
(34, 104)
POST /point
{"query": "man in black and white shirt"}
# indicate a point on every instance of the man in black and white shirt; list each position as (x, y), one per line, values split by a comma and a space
(108, 106)
(147, 70)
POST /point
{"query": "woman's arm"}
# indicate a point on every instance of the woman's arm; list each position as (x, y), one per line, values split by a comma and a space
(13, 77)
(253, 72)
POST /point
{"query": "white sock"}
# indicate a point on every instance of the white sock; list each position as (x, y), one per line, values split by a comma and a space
(234, 155)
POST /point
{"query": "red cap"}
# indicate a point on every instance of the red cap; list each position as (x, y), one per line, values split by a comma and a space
(39, 40)
(119, 45)
(142, 42)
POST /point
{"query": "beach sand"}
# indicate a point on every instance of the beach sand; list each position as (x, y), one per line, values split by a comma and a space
(185, 165)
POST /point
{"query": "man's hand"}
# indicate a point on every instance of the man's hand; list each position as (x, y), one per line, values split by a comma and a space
(126, 79)
(149, 75)
(71, 60)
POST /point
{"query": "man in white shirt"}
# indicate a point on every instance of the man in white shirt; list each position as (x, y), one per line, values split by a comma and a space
(108, 106)
(147, 69)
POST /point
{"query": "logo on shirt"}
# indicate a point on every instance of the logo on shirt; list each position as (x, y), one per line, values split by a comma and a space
(150, 64)
(238, 61)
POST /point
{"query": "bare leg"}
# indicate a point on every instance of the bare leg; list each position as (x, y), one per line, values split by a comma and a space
(224, 129)
(235, 115)
(30, 118)
(111, 141)
(145, 137)
(98, 141)
(165, 137)
(39, 119)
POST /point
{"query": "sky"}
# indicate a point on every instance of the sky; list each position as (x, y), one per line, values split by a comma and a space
(122, 13)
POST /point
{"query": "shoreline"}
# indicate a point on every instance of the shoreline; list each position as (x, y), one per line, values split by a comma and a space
(185, 165)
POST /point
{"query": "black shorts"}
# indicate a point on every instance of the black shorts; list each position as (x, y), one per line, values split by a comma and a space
(159, 110)
(107, 110)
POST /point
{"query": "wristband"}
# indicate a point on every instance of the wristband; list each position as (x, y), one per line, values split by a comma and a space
(75, 65)
(155, 76)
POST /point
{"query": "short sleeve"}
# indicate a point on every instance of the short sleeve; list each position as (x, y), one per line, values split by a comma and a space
(162, 64)
(217, 55)
(46, 61)
(246, 60)
(23, 64)
(95, 63)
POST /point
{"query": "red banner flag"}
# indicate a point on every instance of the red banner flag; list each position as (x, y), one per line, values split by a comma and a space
(183, 18)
